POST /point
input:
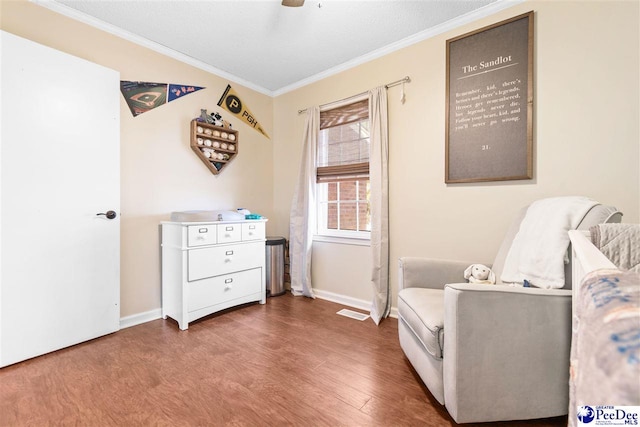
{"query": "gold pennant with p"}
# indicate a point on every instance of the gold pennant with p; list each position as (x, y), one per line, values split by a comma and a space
(231, 102)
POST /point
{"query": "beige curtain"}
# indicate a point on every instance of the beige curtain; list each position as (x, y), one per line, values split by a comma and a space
(378, 175)
(303, 210)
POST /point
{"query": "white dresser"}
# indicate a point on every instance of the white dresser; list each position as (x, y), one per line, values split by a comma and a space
(211, 266)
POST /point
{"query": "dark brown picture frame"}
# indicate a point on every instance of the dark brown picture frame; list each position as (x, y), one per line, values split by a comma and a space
(489, 103)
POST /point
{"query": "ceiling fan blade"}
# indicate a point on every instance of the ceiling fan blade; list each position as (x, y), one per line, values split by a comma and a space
(292, 3)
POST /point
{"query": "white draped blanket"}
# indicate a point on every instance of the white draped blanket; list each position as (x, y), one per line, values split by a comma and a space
(539, 250)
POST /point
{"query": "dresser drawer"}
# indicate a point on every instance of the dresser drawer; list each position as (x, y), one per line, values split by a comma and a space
(216, 290)
(217, 260)
(200, 235)
(253, 231)
(229, 233)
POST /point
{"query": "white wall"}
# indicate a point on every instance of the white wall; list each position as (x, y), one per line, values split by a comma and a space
(586, 139)
(340, 269)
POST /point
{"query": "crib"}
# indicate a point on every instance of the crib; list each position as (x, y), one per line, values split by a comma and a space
(605, 346)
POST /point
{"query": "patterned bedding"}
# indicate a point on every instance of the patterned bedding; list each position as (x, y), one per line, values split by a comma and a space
(605, 352)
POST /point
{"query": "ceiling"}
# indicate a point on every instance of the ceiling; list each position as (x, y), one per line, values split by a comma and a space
(269, 47)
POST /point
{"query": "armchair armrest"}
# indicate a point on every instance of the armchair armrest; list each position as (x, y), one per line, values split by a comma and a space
(510, 342)
(429, 273)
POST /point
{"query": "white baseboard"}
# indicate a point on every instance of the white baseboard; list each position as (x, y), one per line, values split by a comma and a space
(148, 316)
(140, 318)
(343, 299)
(350, 301)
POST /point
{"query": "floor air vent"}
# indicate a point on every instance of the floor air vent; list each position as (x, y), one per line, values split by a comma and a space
(353, 314)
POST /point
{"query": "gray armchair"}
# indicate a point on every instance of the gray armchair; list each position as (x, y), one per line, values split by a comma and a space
(489, 352)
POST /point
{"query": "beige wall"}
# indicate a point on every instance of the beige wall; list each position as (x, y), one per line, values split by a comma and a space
(585, 132)
(586, 139)
(159, 172)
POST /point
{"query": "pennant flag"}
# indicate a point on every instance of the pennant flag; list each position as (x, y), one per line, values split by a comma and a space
(230, 101)
(176, 91)
(144, 96)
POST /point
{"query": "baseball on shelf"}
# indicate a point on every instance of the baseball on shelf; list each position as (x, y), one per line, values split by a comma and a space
(232, 137)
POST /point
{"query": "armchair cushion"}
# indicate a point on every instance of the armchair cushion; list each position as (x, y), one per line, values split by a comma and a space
(423, 312)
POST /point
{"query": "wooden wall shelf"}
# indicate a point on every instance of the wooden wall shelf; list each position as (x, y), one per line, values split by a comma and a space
(216, 146)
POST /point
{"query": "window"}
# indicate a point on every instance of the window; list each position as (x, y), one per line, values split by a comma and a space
(342, 163)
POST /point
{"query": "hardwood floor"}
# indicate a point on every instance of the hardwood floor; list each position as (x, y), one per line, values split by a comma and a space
(292, 361)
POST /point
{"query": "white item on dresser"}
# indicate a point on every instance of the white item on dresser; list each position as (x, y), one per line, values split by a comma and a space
(206, 216)
(59, 167)
(211, 266)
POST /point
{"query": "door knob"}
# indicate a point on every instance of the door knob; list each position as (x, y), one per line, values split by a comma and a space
(108, 214)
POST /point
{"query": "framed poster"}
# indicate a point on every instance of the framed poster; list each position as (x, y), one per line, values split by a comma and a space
(489, 116)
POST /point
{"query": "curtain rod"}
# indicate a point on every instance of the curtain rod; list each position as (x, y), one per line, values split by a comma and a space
(406, 79)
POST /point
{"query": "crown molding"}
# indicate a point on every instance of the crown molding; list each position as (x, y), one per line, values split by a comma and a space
(452, 24)
(467, 18)
(112, 29)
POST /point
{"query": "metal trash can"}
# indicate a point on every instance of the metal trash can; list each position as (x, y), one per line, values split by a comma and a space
(275, 266)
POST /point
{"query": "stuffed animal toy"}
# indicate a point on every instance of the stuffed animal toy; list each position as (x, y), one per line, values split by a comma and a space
(204, 117)
(478, 273)
(213, 119)
(217, 119)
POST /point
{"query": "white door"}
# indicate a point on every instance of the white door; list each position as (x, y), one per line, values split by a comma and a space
(59, 168)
